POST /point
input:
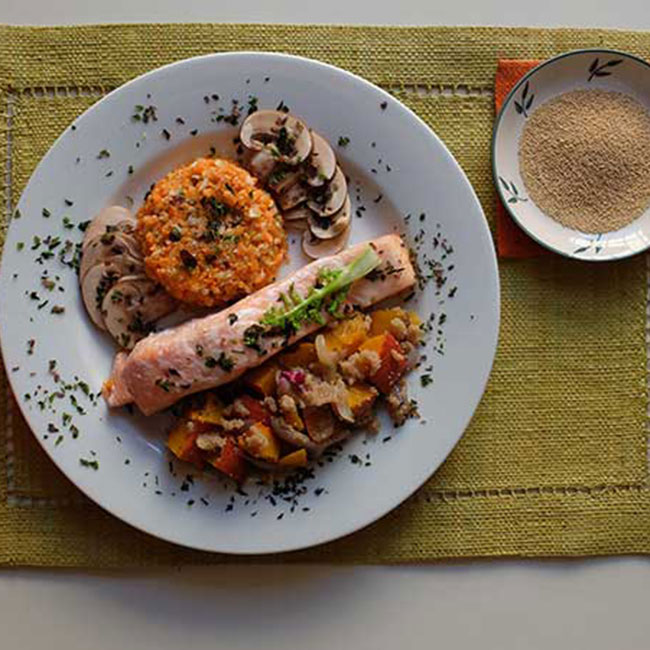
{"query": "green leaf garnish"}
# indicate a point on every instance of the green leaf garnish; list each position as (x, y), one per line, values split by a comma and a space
(329, 296)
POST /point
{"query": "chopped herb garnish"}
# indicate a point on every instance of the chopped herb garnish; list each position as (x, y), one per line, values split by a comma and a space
(104, 153)
(426, 380)
(225, 362)
(57, 309)
(46, 213)
(92, 464)
(188, 260)
(383, 106)
(175, 234)
(20, 245)
(166, 134)
(165, 384)
(232, 318)
(129, 170)
(344, 141)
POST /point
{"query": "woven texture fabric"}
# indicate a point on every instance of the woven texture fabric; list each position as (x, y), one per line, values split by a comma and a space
(554, 462)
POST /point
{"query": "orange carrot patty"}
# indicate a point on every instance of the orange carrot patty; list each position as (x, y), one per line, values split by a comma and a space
(209, 234)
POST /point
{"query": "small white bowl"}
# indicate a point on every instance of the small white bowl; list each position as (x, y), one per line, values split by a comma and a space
(578, 70)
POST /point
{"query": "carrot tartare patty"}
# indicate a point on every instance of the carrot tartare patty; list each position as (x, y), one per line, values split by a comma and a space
(209, 234)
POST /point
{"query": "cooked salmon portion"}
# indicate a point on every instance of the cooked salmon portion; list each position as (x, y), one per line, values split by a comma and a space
(207, 352)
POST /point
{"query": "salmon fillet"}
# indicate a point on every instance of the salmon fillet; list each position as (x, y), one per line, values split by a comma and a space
(210, 351)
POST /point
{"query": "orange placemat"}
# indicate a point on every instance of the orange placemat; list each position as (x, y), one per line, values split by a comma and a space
(512, 241)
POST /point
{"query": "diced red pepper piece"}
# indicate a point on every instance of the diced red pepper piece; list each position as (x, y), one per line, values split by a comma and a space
(393, 363)
(257, 411)
(230, 461)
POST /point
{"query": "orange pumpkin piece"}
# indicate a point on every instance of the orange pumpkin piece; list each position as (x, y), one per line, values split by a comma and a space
(262, 379)
(346, 336)
(361, 397)
(299, 357)
(209, 413)
(182, 442)
(293, 419)
(381, 319)
(260, 442)
(230, 461)
(392, 362)
(296, 458)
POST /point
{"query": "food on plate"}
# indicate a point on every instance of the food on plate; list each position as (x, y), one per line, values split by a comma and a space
(207, 352)
(298, 166)
(117, 294)
(294, 406)
(584, 159)
(209, 234)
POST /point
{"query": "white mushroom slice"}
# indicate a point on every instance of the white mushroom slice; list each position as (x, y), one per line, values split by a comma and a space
(316, 248)
(321, 164)
(286, 137)
(109, 217)
(297, 225)
(292, 197)
(260, 164)
(330, 227)
(281, 180)
(99, 279)
(329, 199)
(298, 213)
(131, 306)
(108, 247)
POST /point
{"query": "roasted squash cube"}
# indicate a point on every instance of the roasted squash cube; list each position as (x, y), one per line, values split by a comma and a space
(260, 442)
(262, 379)
(299, 357)
(210, 413)
(296, 458)
(347, 335)
(182, 442)
(392, 363)
(361, 397)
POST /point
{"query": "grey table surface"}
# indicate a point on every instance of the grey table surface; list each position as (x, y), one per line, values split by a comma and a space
(513, 604)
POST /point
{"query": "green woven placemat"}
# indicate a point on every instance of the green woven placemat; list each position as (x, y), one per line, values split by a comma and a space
(554, 462)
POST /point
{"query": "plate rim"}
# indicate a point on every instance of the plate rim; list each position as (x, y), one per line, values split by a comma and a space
(495, 176)
(495, 314)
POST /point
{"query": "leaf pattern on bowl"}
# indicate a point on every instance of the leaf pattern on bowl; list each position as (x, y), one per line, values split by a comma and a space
(513, 191)
(596, 69)
(522, 106)
(594, 245)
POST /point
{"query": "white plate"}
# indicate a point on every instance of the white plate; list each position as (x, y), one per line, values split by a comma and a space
(343, 496)
(578, 70)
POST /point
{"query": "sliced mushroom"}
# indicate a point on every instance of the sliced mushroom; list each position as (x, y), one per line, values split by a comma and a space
(299, 213)
(330, 227)
(99, 279)
(295, 195)
(286, 137)
(110, 218)
(282, 180)
(321, 164)
(316, 248)
(108, 247)
(131, 306)
(329, 199)
(261, 164)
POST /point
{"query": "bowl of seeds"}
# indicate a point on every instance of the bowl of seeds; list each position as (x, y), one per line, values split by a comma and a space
(571, 154)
